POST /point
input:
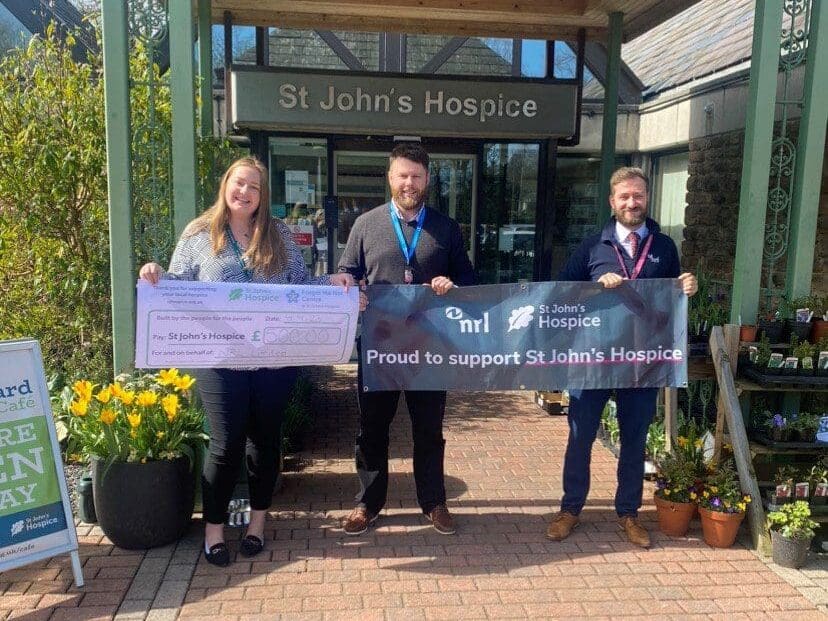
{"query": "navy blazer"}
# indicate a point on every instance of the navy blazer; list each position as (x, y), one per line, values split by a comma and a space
(596, 256)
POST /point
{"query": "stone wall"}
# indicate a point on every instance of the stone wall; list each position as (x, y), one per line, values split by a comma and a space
(711, 219)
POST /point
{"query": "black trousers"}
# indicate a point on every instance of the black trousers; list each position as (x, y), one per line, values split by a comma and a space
(244, 410)
(376, 411)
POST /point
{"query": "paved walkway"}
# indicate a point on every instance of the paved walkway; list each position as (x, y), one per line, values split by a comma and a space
(503, 476)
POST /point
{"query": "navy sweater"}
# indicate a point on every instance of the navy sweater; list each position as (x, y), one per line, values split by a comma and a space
(596, 256)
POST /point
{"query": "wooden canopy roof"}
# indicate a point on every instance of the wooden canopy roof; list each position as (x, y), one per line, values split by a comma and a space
(535, 19)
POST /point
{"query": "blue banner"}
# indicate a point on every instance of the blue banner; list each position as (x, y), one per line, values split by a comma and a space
(538, 336)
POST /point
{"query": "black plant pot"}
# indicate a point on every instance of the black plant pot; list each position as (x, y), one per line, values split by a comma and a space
(771, 329)
(143, 505)
(789, 552)
(802, 329)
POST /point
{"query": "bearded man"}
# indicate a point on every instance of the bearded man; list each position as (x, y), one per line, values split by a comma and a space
(629, 246)
(404, 242)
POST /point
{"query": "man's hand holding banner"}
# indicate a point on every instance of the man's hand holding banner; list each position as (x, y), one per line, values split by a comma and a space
(550, 335)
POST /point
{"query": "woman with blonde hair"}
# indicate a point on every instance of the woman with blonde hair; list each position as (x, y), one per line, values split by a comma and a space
(236, 240)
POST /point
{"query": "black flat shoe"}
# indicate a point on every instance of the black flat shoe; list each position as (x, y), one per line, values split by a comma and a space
(218, 555)
(251, 545)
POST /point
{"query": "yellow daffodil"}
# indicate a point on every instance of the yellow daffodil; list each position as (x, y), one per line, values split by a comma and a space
(104, 395)
(682, 441)
(107, 416)
(83, 389)
(79, 408)
(127, 397)
(168, 377)
(146, 398)
(160, 435)
(185, 382)
(745, 498)
(170, 405)
(134, 419)
(698, 443)
(693, 495)
(116, 389)
(706, 494)
(741, 506)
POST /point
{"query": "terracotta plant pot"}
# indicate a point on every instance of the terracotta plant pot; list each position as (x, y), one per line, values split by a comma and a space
(747, 334)
(720, 529)
(819, 330)
(674, 517)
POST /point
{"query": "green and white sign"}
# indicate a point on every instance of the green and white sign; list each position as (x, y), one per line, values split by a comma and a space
(35, 513)
(377, 103)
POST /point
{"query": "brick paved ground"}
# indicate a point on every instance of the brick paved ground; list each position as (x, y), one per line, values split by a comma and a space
(503, 476)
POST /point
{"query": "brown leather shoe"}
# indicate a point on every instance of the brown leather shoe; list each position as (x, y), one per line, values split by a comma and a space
(636, 533)
(561, 526)
(358, 521)
(441, 520)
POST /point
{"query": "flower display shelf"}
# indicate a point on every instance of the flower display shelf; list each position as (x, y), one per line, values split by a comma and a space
(786, 381)
(778, 445)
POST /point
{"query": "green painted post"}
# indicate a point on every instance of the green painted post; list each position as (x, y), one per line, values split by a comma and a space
(809, 157)
(182, 96)
(753, 195)
(119, 187)
(205, 67)
(610, 120)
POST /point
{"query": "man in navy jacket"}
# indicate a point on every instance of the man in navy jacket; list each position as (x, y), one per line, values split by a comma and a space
(630, 246)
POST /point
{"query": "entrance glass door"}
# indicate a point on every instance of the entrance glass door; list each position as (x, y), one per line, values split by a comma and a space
(361, 185)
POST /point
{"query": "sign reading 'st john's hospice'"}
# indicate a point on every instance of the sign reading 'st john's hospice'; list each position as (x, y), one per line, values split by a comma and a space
(549, 336)
(371, 103)
(35, 514)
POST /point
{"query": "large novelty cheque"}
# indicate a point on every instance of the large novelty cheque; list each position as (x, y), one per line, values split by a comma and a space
(35, 513)
(194, 324)
(541, 336)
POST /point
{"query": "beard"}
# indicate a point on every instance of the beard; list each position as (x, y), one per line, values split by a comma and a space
(631, 219)
(408, 201)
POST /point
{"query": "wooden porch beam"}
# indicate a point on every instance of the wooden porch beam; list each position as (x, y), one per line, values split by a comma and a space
(459, 27)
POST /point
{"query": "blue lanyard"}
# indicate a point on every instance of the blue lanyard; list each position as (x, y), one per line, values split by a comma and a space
(407, 251)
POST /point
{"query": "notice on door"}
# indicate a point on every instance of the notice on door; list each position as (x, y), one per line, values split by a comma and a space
(35, 513)
(296, 186)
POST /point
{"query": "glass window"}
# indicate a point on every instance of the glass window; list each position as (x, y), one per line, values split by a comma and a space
(506, 221)
(244, 47)
(363, 45)
(451, 189)
(566, 61)
(298, 183)
(533, 58)
(12, 32)
(301, 48)
(360, 186)
(477, 56)
(577, 211)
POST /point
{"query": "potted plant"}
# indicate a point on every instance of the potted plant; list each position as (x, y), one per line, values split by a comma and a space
(804, 426)
(804, 352)
(821, 363)
(791, 529)
(800, 313)
(771, 324)
(783, 481)
(722, 507)
(777, 427)
(141, 434)
(818, 480)
(676, 494)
